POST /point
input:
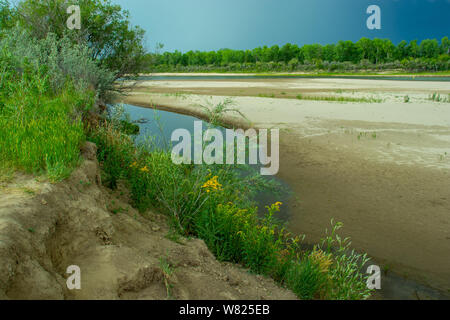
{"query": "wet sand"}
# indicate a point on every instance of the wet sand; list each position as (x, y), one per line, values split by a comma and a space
(383, 169)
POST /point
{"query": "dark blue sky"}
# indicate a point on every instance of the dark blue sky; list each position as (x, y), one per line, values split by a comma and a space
(245, 24)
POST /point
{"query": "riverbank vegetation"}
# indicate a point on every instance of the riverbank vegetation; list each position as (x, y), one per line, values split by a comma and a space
(44, 95)
(366, 55)
(214, 203)
(49, 88)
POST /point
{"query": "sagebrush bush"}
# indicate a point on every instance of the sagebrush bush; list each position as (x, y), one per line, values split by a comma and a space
(64, 61)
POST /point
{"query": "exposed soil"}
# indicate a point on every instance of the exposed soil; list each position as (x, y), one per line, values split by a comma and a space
(44, 228)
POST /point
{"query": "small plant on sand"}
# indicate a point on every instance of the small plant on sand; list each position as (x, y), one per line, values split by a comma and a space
(265, 95)
(167, 272)
(339, 99)
(436, 97)
(347, 278)
(216, 112)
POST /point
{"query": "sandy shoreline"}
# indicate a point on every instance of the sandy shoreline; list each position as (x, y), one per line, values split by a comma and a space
(383, 169)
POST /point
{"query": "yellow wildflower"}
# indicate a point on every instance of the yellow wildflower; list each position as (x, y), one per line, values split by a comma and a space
(321, 259)
(212, 184)
(145, 169)
(133, 165)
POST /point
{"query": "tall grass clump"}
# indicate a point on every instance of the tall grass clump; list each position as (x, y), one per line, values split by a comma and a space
(214, 203)
(339, 99)
(436, 97)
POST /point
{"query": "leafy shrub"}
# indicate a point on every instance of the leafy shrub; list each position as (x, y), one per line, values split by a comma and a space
(64, 62)
(106, 29)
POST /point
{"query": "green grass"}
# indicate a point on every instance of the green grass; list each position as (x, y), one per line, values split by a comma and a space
(339, 99)
(264, 95)
(167, 271)
(40, 131)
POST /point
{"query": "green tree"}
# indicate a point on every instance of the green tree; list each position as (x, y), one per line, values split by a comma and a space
(366, 48)
(329, 52)
(429, 48)
(428, 56)
(413, 49)
(445, 45)
(378, 48)
(312, 52)
(389, 50)
(6, 15)
(402, 50)
(211, 58)
(275, 53)
(266, 54)
(249, 58)
(286, 53)
(347, 51)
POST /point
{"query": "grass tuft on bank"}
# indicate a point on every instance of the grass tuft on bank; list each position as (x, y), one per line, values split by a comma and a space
(41, 130)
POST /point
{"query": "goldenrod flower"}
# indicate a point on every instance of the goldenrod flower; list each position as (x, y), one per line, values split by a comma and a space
(323, 260)
(133, 165)
(212, 184)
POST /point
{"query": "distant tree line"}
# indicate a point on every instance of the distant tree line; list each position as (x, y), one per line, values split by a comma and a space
(365, 54)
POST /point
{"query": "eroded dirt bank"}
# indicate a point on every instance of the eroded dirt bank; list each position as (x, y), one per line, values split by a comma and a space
(45, 228)
(380, 168)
